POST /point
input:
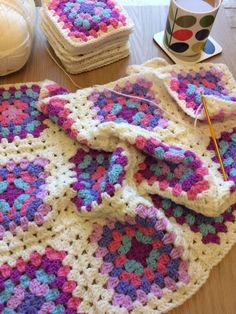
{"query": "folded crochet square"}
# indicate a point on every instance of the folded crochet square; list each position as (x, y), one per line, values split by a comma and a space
(187, 84)
(184, 176)
(126, 108)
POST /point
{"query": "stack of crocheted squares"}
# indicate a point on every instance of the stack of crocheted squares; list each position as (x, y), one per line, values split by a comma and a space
(86, 34)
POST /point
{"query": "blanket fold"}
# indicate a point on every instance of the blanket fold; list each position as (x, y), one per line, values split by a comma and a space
(137, 110)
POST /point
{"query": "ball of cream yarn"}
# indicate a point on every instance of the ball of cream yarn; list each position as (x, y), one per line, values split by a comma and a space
(17, 19)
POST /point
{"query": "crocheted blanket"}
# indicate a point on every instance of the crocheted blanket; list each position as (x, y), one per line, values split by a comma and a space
(110, 200)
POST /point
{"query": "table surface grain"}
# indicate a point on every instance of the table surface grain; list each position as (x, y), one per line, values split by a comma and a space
(218, 295)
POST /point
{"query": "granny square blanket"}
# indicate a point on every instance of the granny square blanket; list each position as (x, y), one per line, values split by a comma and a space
(110, 200)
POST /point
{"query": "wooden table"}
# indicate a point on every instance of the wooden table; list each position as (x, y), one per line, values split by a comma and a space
(218, 295)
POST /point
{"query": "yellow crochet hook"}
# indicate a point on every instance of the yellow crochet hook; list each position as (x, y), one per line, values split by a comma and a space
(213, 135)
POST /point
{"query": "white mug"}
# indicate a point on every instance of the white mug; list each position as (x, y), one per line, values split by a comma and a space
(187, 31)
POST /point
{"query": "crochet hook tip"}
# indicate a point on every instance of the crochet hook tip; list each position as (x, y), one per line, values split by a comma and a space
(213, 135)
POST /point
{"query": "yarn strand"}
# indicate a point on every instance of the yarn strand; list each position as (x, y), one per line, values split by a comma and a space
(63, 70)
